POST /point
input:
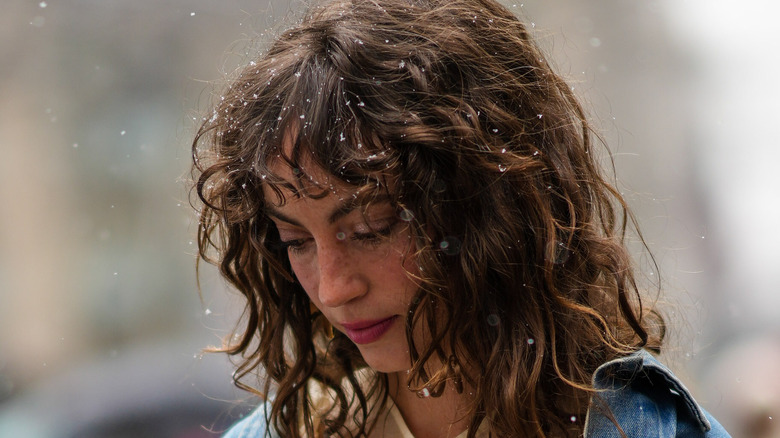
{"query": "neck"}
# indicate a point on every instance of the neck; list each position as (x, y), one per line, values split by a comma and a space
(443, 416)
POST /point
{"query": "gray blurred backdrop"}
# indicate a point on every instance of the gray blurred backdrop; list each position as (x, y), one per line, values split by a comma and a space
(101, 324)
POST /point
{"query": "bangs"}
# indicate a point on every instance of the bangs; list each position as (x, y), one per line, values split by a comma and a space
(324, 122)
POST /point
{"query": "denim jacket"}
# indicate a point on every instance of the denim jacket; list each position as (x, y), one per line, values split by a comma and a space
(637, 391)
(647, 400)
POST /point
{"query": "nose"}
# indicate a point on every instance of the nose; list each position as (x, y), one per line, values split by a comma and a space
(341, 278)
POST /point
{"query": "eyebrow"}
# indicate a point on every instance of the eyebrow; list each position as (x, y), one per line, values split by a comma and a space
(339, 212)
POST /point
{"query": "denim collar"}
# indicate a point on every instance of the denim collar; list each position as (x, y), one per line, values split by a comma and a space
(642, 366)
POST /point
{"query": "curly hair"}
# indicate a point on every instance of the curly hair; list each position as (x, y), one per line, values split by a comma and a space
(450, 109)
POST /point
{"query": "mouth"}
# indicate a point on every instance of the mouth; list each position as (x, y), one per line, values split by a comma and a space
(366, 332)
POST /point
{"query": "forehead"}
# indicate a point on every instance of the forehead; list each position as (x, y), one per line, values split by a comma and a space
(299, 201)
(297, 175)
(296, 171)
(301, 180)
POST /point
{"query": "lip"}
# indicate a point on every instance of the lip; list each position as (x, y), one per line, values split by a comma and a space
(366, 332)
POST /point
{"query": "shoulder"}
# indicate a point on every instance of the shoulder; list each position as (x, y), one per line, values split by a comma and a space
(647, 400)
(321, 398)
(254, 425)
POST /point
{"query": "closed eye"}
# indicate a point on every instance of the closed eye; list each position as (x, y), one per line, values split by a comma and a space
(375, 237)
(293, 246)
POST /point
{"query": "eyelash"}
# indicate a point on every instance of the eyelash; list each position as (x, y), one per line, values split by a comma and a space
(372, 239)
(292, 246)
(375, 237)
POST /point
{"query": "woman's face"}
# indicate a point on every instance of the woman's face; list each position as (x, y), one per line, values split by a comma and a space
(352, 261)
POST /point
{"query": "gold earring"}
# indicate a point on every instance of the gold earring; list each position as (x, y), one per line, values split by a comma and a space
(328, 327)
(454, 373)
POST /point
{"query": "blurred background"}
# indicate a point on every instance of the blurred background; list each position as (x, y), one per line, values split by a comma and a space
(101, 324)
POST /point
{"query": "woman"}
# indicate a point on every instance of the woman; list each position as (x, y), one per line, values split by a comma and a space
(408, 198)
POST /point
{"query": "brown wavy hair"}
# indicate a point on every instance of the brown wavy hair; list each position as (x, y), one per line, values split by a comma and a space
(448, 107)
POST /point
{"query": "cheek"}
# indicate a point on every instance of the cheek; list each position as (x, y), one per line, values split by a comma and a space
(404, 268)
(306, 276)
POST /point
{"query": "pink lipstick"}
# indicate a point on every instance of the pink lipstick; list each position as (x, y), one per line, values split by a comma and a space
(366, 332)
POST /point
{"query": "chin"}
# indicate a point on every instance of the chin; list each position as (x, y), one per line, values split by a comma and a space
(384, 368)
(387, 362)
